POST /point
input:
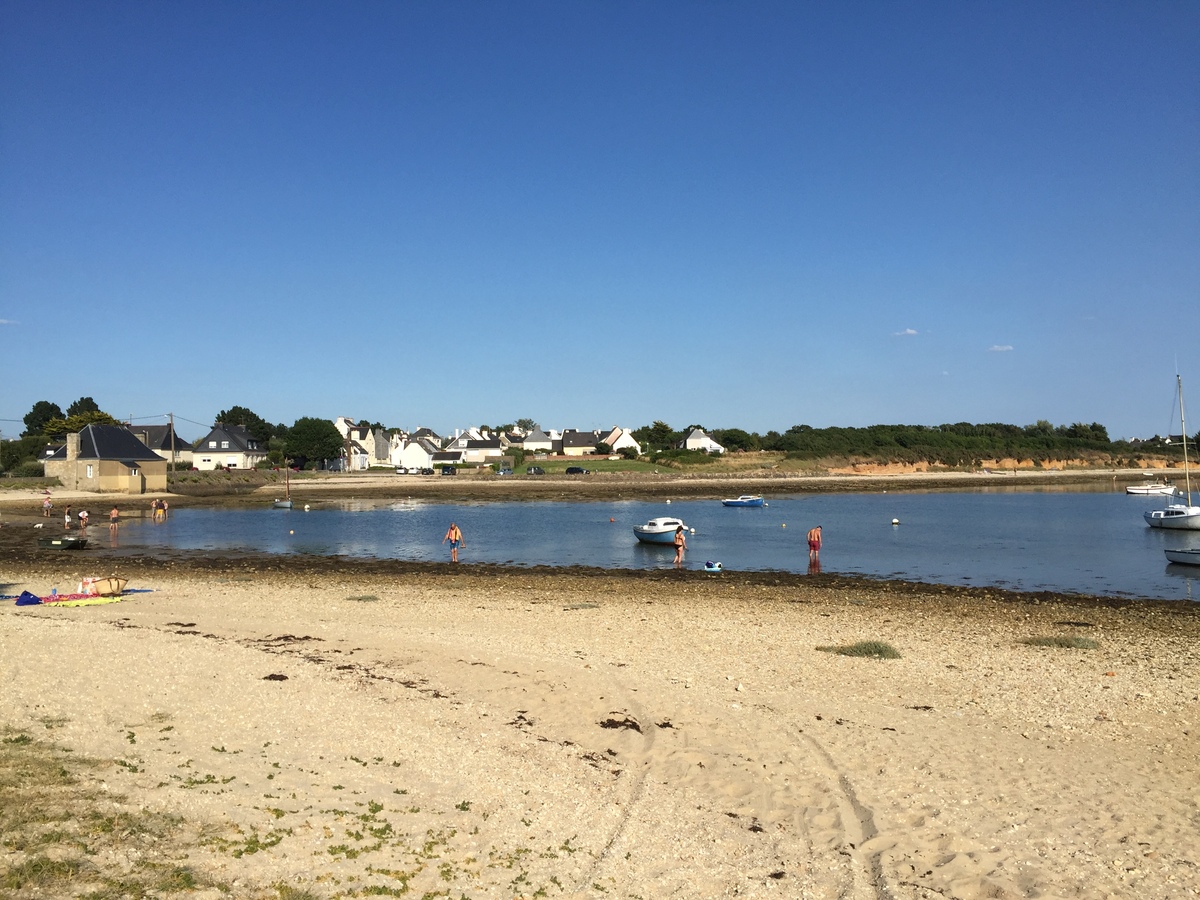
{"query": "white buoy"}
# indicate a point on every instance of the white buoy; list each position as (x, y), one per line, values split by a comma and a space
(307, 507)
(693, 531)
(668, 501)
(895, 521)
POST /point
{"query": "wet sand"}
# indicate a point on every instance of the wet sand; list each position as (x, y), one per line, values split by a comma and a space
(492, 732)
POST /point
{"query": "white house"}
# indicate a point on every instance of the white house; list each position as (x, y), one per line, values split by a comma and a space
(537, 441)
(416, 454)
(698, 440)
(227, 446)
(620, 438)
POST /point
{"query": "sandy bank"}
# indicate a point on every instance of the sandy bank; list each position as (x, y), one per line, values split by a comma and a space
(505, 733)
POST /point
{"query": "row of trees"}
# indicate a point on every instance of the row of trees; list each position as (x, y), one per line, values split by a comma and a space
(956, 444)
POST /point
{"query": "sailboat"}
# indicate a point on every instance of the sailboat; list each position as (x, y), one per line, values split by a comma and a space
(286, 503)
(1179, 515)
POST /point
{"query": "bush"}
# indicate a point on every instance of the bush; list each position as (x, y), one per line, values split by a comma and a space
(28, 469)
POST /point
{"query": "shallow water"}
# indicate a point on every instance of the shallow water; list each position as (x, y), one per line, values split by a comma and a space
(1063, 541)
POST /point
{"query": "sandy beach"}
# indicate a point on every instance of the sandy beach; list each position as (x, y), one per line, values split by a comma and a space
(338, 729)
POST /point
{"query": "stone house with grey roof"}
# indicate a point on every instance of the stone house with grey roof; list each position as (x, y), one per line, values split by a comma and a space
(107, 459)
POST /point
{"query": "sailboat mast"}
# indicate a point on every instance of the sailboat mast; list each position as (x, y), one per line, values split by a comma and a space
(1187, 478)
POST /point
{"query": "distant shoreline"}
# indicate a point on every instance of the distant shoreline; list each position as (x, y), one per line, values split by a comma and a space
(23, 504)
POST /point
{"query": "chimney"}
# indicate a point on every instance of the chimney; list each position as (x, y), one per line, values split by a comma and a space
(73, 446)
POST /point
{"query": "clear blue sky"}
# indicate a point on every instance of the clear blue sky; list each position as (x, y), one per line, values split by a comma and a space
(735, 214)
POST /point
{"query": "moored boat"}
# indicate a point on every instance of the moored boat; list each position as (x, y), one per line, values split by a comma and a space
(66, 542)
(745, 500)
(1186, 557)
(1178, 516)
(1152, 488)
(658, 531)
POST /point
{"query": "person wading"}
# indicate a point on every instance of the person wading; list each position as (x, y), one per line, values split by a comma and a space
(814, 543)
(680, 545)
(455, 537)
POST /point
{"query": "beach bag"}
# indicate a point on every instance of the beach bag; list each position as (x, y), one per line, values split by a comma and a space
(28, 599)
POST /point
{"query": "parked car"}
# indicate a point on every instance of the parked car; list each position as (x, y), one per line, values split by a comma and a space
(578, 470)
(449, 470)
(504, 471)
(535, 470)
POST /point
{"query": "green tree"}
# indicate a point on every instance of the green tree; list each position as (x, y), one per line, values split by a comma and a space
(259, 428)
(35, 420)
(82, 406)
(526, 425)
(57, 429)
(313, 440)
(658, 436)
(736, 439)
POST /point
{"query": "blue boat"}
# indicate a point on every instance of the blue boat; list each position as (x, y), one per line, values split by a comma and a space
(745, 500)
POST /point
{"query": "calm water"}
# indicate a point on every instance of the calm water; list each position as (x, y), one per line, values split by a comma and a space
(1094, 543)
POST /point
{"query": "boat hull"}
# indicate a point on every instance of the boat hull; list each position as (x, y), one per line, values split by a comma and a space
(283, 504)
(744, 501)
(654, 537)
(1184, 557)
(1149, 489)
(67, 542)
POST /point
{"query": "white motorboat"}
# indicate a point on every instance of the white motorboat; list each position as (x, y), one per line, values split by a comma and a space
(658, 531)
(1178, 515)
(1155, 487)
(1185, 557)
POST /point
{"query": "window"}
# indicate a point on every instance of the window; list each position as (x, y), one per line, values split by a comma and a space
(89, 471)
(133, 471)
(224, 445)
(212, 445)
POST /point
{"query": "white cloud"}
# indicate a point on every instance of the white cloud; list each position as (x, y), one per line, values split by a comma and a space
(906, 332)
(7, 322)
(999, 348)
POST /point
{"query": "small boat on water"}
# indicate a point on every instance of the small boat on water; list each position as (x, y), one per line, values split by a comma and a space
(745, 500)
(286, 502)
(1155, 487)
(1178, 515)
(658, 531)
(66, 542)
(1184, 557)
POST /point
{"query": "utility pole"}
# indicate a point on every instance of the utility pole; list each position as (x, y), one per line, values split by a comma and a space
(172, 418)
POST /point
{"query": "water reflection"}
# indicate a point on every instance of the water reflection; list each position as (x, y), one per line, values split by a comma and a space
(1079, 541)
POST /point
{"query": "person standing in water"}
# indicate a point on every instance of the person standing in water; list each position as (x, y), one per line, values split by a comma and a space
(680, 545)
(455, 537)
(113, 519)
(814, 543)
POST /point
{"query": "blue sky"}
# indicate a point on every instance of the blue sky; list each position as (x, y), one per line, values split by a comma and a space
(745, 215)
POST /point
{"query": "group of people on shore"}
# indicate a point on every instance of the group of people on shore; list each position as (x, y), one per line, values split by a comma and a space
(158, 512)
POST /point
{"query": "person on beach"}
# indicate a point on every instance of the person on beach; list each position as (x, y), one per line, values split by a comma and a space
(455, 537)
(46, 507)
(83, 518)
(680, 545)
(814, 543)
(113, 519)
(67, 517)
